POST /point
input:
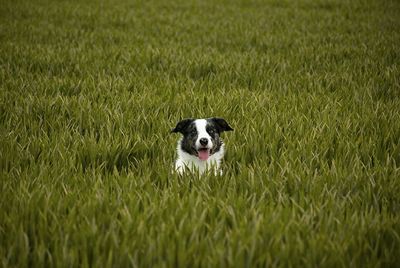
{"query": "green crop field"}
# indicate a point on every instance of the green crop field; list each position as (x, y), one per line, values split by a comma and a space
(89, 91)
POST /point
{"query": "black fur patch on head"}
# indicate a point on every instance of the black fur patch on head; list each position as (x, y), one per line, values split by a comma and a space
(188, 129)
(182, 125)
(215, 126)
(220, 124)
(214, 134)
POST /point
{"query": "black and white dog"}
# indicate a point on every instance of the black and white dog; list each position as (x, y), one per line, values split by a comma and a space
(200, 149)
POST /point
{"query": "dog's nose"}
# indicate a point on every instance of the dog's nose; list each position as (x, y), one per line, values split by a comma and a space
(204, 141)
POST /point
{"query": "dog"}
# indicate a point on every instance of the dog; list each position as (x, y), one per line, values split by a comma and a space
(201, 148)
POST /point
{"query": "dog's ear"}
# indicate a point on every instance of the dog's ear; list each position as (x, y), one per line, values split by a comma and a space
(182, 125)
(221, 124)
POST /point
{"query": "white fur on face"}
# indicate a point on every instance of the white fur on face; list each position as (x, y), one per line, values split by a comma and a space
(202, 133)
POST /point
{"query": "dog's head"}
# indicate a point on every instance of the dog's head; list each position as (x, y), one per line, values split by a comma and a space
(201, 137)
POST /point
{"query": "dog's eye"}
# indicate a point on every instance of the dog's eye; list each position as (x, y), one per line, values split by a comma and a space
(211, 131)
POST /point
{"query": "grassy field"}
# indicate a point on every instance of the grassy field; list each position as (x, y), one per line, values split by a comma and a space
(89, 91)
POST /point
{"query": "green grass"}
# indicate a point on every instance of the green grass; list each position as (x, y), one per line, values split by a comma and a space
(89, 91)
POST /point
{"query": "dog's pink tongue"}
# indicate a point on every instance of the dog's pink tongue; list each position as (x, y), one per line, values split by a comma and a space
(204, 155)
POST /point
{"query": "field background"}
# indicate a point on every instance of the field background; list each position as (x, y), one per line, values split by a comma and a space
(89, 91)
